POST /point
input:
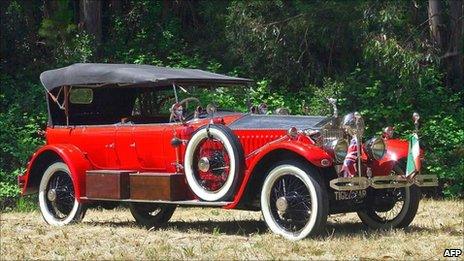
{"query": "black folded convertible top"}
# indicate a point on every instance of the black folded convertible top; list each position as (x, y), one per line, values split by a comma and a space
(100, 74)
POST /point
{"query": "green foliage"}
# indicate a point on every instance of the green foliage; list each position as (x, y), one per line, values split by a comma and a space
(445, 157)
(374, 57)
(19, 122)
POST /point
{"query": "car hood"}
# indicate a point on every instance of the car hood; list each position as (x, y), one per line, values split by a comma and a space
(278, 122)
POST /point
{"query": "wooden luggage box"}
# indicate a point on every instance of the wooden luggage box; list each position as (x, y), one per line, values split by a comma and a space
(107, 184)
(157, 186)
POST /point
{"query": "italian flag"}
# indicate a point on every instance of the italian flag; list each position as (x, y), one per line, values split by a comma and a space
(413, 166)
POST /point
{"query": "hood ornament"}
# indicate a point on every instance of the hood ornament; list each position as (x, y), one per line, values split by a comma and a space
(333, 102)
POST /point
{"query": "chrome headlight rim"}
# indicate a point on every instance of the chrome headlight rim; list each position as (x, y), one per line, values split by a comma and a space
(376, 148)
(339, 149)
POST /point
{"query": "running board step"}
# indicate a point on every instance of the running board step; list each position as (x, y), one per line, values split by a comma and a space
(193, 202)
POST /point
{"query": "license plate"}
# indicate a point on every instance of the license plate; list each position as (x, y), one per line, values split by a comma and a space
(348, 195)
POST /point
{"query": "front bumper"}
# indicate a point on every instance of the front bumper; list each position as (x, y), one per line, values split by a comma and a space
(383, 182)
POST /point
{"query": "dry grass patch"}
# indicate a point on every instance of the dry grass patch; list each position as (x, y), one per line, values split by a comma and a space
(196, 233)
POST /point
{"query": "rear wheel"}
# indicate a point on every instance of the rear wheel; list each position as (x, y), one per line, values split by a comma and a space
(293, 201)
(57, 200)
(151, 215)
(392, 208)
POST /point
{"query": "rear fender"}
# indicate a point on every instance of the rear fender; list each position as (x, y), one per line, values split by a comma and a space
(69, 154)
(314, 154)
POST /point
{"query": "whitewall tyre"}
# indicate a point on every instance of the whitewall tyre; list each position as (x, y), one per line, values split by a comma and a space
(57, 200)
(294, 202)
(214, 163)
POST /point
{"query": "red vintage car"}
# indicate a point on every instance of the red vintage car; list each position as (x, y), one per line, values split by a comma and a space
(113, 136)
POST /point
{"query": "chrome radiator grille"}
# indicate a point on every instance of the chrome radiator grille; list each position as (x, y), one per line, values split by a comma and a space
(331, 134)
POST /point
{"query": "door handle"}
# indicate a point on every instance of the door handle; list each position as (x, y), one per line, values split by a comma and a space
(132, 145)
(110, 146)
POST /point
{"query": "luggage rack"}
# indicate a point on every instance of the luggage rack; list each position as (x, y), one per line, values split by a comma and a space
(383, 182)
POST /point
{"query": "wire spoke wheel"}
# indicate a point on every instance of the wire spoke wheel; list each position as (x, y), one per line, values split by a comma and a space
(57, 199)
(60, 195)
(293, 202)
(391, 208)
(398, 196)
(290, 203)
(214, 162)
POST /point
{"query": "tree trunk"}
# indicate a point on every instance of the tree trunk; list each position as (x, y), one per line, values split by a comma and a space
(436, 23)
(115, 6)
(454, 54)
(49, 8)
(90, 18)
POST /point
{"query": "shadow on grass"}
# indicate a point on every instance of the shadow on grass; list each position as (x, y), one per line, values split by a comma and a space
(253, 227)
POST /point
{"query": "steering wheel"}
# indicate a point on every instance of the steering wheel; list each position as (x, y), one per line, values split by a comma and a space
(179, 109)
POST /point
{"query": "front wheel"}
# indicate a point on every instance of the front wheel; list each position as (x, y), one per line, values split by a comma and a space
(57, 199)
(151, 215)
(393, 208)
(293, 201)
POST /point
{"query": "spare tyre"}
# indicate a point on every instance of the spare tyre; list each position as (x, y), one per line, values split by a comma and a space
(214, 163)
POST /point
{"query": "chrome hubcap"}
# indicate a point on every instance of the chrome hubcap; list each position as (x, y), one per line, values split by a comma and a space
(203, 164)
(51, 195)
(282, 204)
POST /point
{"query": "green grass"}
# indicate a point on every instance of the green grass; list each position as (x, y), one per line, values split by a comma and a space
(196, 233)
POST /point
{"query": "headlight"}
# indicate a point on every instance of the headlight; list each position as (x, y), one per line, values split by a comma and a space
(353, 124)
(338, 148)
(375, 148)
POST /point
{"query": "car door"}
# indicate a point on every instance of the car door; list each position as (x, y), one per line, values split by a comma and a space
(126, 147)
(149, 146)
(98, 142)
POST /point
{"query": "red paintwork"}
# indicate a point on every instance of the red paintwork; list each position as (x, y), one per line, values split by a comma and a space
(396, 149)
(207, 148)
(147, 147)
(72, 156)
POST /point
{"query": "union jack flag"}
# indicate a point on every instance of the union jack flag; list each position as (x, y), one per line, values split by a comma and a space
(349, 164)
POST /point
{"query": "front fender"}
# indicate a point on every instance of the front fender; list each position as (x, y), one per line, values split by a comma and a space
(314, 154)
(397, 149)
(310, 152)
(69, 154)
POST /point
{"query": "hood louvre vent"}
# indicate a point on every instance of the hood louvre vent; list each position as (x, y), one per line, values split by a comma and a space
(278, 122)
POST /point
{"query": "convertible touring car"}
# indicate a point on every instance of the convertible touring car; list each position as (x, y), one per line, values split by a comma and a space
(119, 133)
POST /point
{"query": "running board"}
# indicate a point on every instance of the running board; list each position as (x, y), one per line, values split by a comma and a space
(382, 182)
(193, 202)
